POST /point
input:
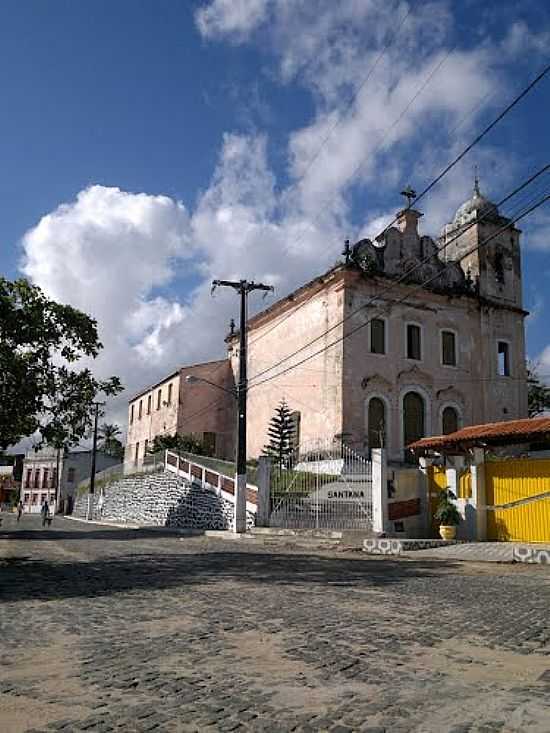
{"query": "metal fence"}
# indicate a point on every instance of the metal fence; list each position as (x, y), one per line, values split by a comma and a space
(326, 485)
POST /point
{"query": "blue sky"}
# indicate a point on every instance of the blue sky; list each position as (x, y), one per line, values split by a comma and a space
(147, 147)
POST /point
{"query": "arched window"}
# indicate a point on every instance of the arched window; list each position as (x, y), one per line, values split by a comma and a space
(449, 420)
(376, 419)
(413, 417)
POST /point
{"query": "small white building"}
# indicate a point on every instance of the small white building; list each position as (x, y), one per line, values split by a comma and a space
(40, 470)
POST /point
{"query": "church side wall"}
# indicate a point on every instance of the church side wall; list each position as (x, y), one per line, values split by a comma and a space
(314, 389)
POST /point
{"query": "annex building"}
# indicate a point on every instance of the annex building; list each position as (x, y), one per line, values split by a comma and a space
(408, 337)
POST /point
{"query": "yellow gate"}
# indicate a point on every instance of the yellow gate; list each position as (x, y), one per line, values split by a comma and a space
(519, 491)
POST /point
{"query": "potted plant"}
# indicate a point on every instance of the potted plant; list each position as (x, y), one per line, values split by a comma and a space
(447, 515)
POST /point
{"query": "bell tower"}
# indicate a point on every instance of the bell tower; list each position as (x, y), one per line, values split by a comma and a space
(487, 245)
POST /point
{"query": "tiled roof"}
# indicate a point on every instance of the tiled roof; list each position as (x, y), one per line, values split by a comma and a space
(505, 433)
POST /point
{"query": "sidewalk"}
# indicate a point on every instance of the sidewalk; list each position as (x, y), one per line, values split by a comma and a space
(505, 552)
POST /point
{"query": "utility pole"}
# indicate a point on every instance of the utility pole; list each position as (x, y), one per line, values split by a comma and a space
(243, 287)
(94, 450)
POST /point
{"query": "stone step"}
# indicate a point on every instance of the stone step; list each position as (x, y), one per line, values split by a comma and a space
(288, 532)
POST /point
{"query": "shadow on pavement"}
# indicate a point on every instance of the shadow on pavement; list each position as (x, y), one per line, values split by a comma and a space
(32, 579)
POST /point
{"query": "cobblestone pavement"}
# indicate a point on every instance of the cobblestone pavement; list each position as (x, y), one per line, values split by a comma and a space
(113, 629)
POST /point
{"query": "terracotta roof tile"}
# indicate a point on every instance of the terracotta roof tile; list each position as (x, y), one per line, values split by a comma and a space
(508, 432)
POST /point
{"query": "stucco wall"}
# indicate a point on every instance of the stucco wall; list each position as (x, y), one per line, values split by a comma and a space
(472, 387)
(161, 420)
(315, 388)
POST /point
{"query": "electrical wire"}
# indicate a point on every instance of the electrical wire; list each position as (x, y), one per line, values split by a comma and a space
(405, 275)
(543, 200)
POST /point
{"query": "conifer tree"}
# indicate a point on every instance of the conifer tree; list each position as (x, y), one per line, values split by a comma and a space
(281, 435)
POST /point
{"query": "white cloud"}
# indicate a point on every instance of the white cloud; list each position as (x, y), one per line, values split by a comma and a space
(112, 253)
(231, 17)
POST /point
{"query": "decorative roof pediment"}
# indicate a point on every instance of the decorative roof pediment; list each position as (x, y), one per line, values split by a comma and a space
(450, 393)
(376, 381)
(414, 374)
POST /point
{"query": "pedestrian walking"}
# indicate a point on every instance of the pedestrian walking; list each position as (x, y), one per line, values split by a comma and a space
(19, 510)
(45, 512)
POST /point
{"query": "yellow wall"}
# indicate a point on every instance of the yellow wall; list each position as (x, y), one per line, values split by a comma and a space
(513, 480)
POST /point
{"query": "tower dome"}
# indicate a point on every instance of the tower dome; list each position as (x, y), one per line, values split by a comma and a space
(475, 206)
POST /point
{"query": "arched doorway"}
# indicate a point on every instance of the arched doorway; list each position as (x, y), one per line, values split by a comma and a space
(414, 418)
(449, 420)
(376, 423)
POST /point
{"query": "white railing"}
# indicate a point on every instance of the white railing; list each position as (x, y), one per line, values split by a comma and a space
(208, 478)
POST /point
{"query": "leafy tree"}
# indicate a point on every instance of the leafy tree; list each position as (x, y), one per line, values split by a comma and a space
(538, 394)
(177, 444)
(110, 443)
(281, 435)
(39, 392)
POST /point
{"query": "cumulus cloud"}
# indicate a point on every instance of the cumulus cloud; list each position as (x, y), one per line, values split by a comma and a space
(117, 254)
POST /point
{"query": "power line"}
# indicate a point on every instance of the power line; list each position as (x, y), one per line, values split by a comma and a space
(404, 111)
(402, 278)
(422, 285)
(446, 170)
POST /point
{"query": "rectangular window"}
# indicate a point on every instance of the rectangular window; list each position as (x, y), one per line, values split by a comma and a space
(503, 359)
(37, 479)
(413, 342)
(377, 336)
(149, 405)
(140, 410)
(136, 454)
(159, 398)
(45, 479)
(169, 400)
(34, 498)
(70, 476)
(131, 414)
(29, 478)
(43, 498)
(26, 499)
(145, 447)
(448, 348)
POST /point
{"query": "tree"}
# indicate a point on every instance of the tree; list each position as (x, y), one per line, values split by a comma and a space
(109, 441)
(538, 394)
(281, 434)
(176, 443)
(39, 392)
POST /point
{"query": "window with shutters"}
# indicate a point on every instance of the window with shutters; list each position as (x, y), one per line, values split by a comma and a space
(448, 348)
(414, 350)
(149, 405)
(376, 423)
(159, 398)
(140, 410)
(449, 420)
(169, 400)
(45, 473)
(378, 336)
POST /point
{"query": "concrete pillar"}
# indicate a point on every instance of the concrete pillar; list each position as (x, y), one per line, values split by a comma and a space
(479, 499)
(425, 490)
(263, 509)
(380, 522)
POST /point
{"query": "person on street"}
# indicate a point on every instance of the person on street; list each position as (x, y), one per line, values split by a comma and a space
(45, 512)
(19, 510)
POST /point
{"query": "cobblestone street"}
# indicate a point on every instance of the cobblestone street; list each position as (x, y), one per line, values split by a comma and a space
(111, 629)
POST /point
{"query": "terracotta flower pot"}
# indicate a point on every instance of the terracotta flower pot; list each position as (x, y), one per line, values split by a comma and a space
(447, 531)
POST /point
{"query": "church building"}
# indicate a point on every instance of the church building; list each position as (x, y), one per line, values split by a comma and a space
(407, 337)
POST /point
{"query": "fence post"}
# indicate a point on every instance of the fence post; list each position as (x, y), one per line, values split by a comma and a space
(380, 522)
(479, 498)
(263, 506)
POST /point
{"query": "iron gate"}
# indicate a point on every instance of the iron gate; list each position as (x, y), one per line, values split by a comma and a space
(324, 486)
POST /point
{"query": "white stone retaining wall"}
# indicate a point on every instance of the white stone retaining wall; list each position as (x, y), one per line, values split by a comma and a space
(162, 500)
